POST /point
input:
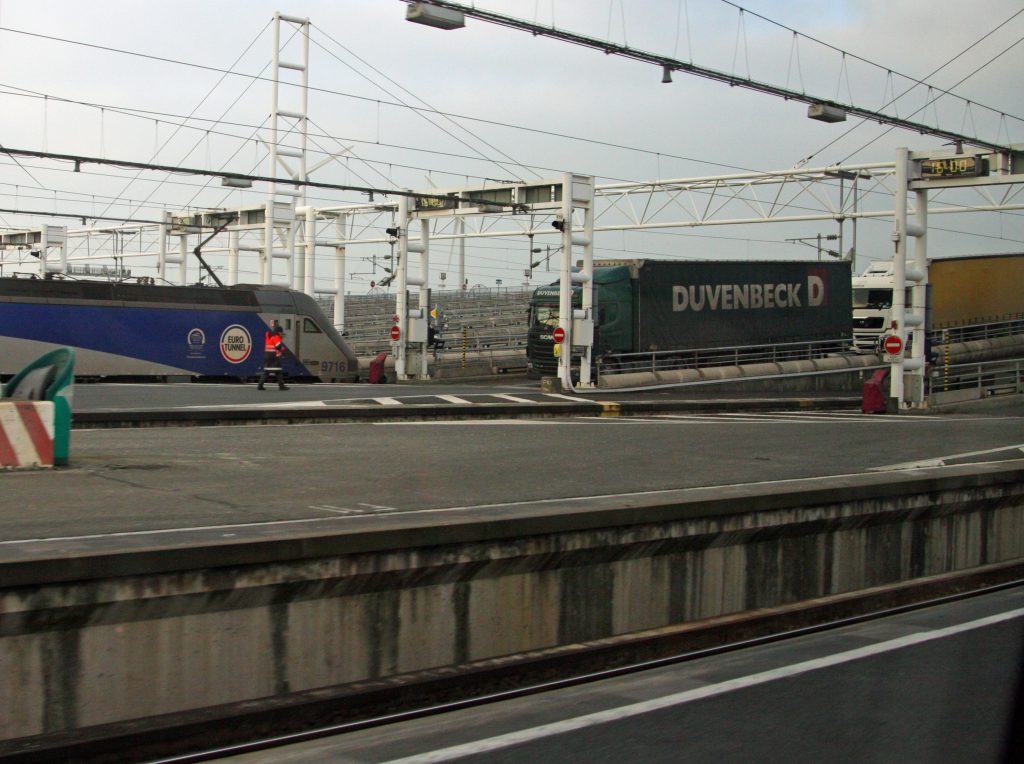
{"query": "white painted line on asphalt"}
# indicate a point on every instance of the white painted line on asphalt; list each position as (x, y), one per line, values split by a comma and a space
(564, 397)
(452, 399)
(388, 401)
(608, 716)
(336, 510)
(940, 461)
(512, 398)
(283, 405)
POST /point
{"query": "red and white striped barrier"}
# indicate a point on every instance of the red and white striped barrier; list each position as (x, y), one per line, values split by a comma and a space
(26, 434)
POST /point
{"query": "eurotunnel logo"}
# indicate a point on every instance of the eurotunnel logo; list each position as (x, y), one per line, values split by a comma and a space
(235, 344)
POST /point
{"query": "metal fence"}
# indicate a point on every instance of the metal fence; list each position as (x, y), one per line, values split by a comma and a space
(972, 332)
(986, 378)
(698, 358)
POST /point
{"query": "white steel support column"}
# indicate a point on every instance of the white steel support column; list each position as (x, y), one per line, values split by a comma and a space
(182, 260)
(902, 318)
(916, 319)
(565, 287)
(460, 230)
(420, 336)
(411, 322)
(583, 324)
(161, 257)
(266, 256)
(276, 224)
(577, 191)
(308, 267)
(899, 280)
(232, 257)
(303, 277)
(339, 274)
(402, 285)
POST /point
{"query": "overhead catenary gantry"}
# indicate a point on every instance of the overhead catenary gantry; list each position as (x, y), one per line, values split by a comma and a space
(922, 173)
(528, 210)
(570, 207)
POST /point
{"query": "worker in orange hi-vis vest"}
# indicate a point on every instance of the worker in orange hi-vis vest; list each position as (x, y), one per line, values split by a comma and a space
(273, 350)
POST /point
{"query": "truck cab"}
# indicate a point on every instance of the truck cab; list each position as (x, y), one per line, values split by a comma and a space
(872, 305)
(613, 327)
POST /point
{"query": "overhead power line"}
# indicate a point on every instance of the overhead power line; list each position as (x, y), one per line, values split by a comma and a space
(79, 160)
(668, 64)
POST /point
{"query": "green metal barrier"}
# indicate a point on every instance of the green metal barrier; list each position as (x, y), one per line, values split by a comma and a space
(50, 377)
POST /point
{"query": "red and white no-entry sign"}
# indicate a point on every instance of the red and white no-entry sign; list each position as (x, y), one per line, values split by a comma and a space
(395, 333)
(893, 344)
(558, 335)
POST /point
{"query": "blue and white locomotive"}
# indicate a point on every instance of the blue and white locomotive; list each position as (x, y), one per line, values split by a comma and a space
(134, 330)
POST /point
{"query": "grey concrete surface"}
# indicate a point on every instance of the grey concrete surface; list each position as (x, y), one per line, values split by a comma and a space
(151, 479)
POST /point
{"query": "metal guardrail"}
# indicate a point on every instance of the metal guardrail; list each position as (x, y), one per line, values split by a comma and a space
(986, 378)
(698, 358)
(971, 332)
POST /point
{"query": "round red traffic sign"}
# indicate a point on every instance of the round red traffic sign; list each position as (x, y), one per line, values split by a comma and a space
(395, 333)
(893, 344)
(558, 335)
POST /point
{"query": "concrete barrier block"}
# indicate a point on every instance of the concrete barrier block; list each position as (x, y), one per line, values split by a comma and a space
(26, 434)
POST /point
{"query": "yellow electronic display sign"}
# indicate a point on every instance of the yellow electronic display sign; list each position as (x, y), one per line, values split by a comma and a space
(954, 167)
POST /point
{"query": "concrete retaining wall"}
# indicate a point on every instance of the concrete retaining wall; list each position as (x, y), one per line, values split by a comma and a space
(99, 632)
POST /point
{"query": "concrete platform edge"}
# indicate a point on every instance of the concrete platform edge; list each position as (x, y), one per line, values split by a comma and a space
(32, 563)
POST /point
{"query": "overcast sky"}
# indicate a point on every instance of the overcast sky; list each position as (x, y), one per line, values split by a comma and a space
(531, 99)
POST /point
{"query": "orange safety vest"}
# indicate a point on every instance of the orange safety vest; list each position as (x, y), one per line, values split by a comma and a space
(272, 343)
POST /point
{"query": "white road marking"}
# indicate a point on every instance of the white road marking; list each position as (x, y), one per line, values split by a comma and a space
(336, 510)
(532, 734)
(452, 399)
(512, 398)
(940, 461)
(282, 405)
(388, 401)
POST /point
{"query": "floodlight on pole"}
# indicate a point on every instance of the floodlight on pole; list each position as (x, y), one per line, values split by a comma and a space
(434, 16)
(825, 113)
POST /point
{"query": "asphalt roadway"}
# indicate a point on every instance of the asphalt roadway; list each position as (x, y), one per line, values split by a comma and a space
(231, 479)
